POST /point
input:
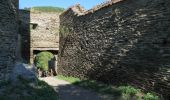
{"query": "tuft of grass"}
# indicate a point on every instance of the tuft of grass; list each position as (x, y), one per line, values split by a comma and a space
(71, 80)
(150, 96)
(121, 92)
(129, 90)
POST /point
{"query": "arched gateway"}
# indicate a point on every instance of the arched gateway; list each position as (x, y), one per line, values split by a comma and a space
(46, 63)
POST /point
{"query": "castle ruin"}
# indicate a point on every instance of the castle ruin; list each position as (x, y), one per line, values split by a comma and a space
(117, 42)
(39, 32)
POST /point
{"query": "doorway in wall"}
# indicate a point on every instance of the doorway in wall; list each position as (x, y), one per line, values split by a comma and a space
(46, 62)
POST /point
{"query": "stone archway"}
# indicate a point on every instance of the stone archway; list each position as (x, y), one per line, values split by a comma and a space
(51, 63)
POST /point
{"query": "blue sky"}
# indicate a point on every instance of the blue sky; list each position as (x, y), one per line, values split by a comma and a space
(59, 3)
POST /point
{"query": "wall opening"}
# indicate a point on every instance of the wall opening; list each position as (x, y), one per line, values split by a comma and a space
(46, 64)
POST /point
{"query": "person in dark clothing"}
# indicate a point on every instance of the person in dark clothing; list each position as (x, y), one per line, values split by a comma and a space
(51, 66)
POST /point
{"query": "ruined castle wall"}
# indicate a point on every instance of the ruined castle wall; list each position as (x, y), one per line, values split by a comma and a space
(8, 36)
(40, 31)
(126, 42)
(46, 34)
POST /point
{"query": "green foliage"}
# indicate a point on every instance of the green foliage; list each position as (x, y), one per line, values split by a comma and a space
(47, 9)
(42, 59)
(128, 90)
(64, 31)
(28, 9)
(129, 93)
(69, 79)
(150, 96)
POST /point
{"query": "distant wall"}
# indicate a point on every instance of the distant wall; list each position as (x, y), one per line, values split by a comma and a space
(40, 31)
(8, 36)
(46, 33)
(125, 42)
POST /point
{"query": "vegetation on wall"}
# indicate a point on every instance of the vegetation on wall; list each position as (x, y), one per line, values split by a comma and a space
(64, 31)
(42, 59)
(46, 9)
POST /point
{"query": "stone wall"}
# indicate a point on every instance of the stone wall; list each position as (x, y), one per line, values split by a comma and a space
(46, 34)
(40, 31)
(8, 36)
(118, 42)
(24, 30)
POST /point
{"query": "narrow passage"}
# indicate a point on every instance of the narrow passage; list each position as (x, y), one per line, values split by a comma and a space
(68, 91)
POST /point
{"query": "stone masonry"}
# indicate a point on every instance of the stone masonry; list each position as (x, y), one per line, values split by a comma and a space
(118, 42)
(8, 36)
(43, 31)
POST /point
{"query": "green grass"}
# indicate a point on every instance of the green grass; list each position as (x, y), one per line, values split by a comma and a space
(26, 90)
(46, 9)
(120, 92)
(71, 80)
(150, 96)
(129, 90)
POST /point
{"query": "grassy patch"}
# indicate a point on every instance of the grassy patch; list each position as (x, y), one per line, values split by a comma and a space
(46, 9)
(150, 96)
(121, 92)
(27, 90)
(71, 80)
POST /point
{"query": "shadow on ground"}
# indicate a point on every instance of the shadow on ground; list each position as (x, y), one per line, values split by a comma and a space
(67, 91)
(70, 92)
(27, 90)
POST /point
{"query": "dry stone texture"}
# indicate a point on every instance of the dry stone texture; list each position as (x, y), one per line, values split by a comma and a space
(8, 36)
(47, 31)
(40, 31)
(126, 42)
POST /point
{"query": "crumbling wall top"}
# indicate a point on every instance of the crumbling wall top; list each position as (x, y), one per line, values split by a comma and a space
(79, 10)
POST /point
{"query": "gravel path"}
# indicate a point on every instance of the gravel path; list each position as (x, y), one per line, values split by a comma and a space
(67, 91)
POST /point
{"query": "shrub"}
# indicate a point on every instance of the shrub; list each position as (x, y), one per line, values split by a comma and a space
(42, 59)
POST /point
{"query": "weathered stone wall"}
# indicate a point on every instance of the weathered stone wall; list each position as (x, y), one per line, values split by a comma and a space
(40, 31)
(125, 42)
(8, 36)
(24, 30)
(46, 34)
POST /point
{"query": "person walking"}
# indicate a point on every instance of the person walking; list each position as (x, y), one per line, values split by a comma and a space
(52, 65)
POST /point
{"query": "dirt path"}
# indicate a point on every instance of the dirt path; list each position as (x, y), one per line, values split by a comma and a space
(67, 91)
